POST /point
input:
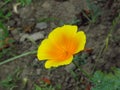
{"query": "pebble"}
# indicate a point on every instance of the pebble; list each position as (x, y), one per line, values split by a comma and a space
(37, 36)
(38, 71)
(46, 5)
(26, 12)
(34, 36)
(41, 25)
(15, 34)
(70, 67)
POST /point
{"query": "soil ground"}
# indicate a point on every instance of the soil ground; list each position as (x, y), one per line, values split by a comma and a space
(49, 14)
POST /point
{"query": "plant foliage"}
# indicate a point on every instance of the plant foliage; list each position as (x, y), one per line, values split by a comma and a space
(43, 88)
(96, 11)
(104, 81)
(11, 80)
(25, 2)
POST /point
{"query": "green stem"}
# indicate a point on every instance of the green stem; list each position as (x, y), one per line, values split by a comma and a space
(114, 23)
(98, 56)
(105, 45)
(19, 56)
(85, 73)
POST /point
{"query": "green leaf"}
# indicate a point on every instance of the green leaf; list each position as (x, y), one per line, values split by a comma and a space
(24, 2)
(104, 81)
(43, 88)
(96, 11)
(5, 31)
(37, 87)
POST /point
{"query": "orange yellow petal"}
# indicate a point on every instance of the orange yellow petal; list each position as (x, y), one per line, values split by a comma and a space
(81, 38)
(56, 63)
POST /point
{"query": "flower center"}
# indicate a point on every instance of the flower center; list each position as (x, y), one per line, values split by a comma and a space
(67, 54)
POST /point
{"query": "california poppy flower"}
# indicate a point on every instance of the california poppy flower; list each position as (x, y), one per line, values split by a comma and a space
(60, 46)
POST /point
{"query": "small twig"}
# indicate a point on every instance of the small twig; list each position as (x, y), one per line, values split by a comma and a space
(15, 8)
(16, 57)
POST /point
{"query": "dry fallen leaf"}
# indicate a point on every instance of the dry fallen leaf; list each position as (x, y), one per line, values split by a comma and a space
(46, 80)
(15, 8)
(28, 28)
(6, 43)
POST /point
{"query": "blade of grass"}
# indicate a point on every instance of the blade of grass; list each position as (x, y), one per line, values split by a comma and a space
(114, 23)
(6, 2)
(19, 56)
(106, 42)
